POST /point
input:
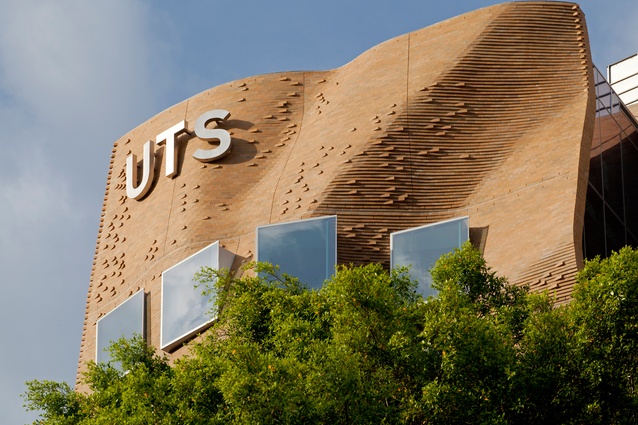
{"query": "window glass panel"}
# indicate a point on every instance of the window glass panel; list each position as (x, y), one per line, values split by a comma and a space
(306, 249)
(420, 247)
(125, 321)
(612, 174)
(614, 232)
(615, 103)
(595, 161)
(603, 93)
(630, 172)
(624, 123)
(612, 204)
(594, 225)
(601, 107)
(184, 308)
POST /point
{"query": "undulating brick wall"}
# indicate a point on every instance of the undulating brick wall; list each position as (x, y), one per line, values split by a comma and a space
(487, 115)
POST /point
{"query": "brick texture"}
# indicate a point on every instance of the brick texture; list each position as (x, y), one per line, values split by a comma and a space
(488, 115)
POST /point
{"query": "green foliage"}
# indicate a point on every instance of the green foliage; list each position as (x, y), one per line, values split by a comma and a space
(57, 401)
(366, 348)
(606, 319)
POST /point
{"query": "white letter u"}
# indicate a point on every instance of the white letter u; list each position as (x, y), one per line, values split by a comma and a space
(148, 172)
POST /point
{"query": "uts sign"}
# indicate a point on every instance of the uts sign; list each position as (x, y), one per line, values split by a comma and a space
(137, 189)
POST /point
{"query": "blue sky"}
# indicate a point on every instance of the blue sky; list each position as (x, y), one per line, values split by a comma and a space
(76, 75)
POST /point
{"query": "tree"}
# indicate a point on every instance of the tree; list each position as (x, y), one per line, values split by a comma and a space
(365, 348)
(143, 394)
(605, 314)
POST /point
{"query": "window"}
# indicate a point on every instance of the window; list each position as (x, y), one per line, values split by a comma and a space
(184, 308)
(306, 249)
(420, 247)
(124, 321)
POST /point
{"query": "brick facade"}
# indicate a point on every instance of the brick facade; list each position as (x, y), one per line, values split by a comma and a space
(488, 115)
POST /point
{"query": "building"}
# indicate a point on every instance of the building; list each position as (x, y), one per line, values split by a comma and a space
(623, 78)
(492, 126)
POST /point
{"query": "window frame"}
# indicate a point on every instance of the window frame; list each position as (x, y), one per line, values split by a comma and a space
(103, 352)
(224, 259)
(426, 226)
(294, 222)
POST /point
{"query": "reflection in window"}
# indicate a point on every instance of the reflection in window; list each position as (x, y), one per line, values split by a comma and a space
(612, 201)
(184, 308)
(306, 249)
(125, 321)
(419, 248)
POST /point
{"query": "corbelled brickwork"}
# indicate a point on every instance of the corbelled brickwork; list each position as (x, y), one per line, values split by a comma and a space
(488, 115)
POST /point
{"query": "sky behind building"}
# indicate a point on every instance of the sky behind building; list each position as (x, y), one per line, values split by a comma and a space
(77, 75)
